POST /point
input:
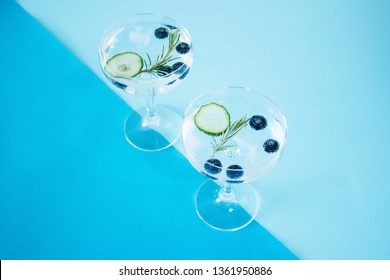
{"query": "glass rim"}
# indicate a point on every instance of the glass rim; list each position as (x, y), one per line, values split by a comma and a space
(190, 108)
(154, 81)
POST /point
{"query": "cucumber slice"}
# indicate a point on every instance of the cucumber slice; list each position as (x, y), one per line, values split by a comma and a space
(212, 119)
(124, 65)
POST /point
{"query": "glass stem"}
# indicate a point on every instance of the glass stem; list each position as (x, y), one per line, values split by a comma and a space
(151, 116)
(227, 193)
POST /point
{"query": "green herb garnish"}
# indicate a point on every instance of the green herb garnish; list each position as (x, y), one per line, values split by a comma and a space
(158, 67)
(234, 128)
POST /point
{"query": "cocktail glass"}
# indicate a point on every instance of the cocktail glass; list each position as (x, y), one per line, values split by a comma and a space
(147, 55)
(232, 135)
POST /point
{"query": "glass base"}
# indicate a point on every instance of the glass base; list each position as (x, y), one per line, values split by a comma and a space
(154, 133)
(224, 211)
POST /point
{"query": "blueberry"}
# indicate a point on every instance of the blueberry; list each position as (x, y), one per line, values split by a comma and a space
(115, 83)
(211, 177)
(164, 70)
(213, 166)
(179, 66)
(271, 146)
(234, 171)
(183, 48)
(234, 181)
(258, 122)
(119, 85)
(184, 74)
(161, 33)
(171, 27)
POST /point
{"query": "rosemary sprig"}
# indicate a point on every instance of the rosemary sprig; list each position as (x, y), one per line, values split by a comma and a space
(234, 128)
(157, 67)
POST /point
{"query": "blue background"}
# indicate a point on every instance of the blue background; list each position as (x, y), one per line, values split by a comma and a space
(71, 187)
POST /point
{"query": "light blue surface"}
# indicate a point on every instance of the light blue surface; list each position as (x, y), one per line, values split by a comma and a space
(71, 187)
(325, 63)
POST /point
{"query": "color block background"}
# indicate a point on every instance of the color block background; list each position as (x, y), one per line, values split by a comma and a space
(72, 188)
(70, 185)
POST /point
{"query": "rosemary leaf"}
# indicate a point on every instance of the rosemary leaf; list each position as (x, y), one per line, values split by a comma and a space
(150, 61)
(165, 56)
(234, 128)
